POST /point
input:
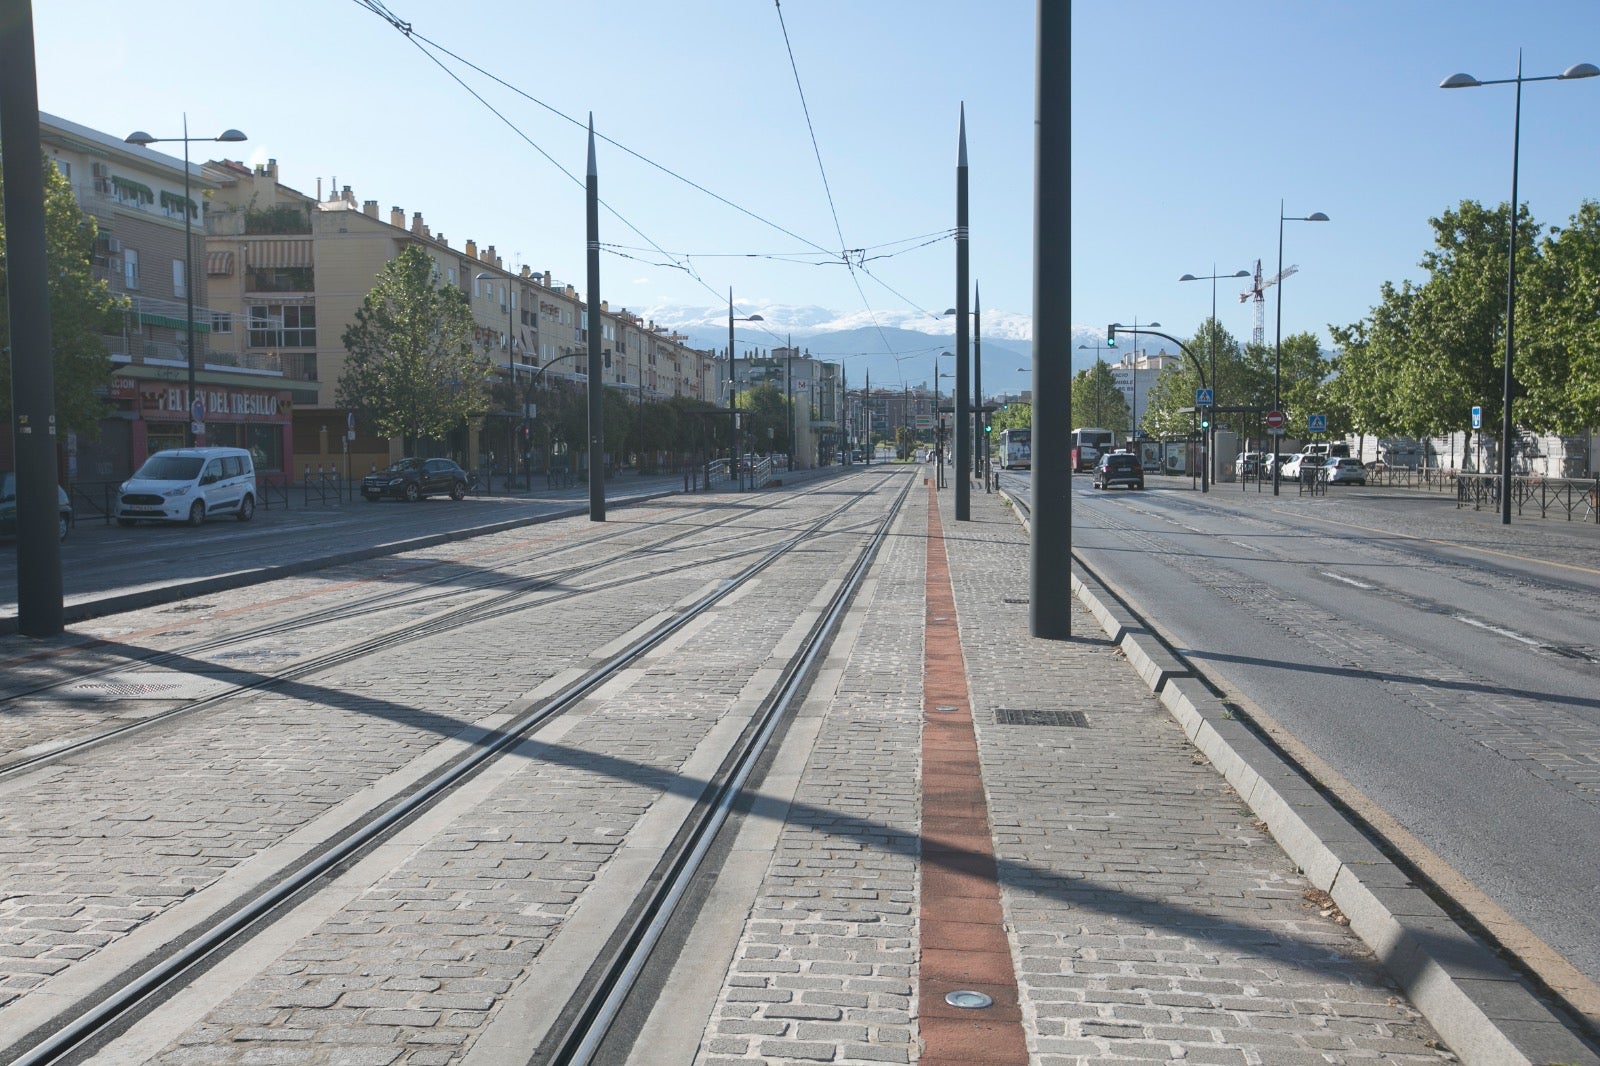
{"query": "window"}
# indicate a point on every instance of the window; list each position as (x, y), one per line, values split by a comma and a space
(280, 279)
(221, 322)
(130, 268)
(283, 326)
(65, 168)
(179, 278)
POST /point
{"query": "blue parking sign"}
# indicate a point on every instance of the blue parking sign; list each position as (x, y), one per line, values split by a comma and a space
(1477, 418)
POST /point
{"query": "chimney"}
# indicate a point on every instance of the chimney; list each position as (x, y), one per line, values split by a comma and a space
(605, 305)
(527, 271)
(397, 218)
(489, 256)
(348, 197)
(441, 239)
(472, 248)
(272, 169)
(369, 208)
(416, 223)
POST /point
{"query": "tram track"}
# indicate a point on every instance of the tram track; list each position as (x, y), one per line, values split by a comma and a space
(506, 594)
(112, 1005)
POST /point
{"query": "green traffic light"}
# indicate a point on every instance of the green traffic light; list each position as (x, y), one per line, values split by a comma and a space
(1111, 342)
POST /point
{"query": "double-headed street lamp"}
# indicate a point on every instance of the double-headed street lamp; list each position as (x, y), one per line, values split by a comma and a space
(511, 368)
(1467, 81)
(1211, 345)
(1277, 338)
(144, 140)
(733, 416)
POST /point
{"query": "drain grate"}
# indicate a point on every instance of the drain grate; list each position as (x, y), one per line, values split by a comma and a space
(1034, 716)
(144, 685)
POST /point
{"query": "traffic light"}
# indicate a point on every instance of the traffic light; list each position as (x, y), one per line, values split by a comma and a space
(1205, 421)
(1111, 335)
(987, 429)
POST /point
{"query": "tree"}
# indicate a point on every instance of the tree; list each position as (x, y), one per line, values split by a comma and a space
(1096, 400)
(765, 413)
(413, 370)
(1558, 331)
(1012, 416)
(81, 310)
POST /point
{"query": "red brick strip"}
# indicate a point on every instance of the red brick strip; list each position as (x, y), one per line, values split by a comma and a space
(963, 937)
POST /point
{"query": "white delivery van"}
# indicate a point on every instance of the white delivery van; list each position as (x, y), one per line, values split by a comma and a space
(189, 485)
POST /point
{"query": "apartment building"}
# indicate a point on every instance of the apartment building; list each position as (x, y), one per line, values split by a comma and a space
(295, 268)
(136, 197)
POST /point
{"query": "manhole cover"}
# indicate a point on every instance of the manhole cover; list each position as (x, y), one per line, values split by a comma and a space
(145, 685)
(1034, 716)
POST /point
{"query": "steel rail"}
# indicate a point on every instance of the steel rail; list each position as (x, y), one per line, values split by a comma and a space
(135, 989)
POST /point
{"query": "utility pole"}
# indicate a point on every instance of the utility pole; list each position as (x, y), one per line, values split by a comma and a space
(597, 455)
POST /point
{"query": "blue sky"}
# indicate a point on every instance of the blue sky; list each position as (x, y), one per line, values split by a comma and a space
(1190, 122)
(703, 87)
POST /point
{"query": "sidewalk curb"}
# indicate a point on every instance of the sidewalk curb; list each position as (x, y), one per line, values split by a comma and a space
(1484, 1012)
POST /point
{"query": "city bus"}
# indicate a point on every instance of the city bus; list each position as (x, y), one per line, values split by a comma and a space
(1088, 445)
(1016, 449)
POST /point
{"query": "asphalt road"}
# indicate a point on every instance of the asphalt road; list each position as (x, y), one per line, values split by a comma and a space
(1445, 665)
(100, 560)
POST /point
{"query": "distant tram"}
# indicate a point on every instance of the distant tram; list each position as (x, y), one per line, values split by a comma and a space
(1016, 449)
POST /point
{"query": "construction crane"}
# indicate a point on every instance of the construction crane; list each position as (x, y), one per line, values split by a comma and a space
(1258, 334)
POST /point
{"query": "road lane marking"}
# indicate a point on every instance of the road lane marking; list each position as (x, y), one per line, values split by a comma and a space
(1347, 580)
(1531, 642)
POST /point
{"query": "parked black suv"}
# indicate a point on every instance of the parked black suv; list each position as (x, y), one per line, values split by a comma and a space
(1119, 468)
(412, 479)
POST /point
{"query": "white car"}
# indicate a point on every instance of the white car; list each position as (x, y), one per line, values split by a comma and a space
(1291, 466)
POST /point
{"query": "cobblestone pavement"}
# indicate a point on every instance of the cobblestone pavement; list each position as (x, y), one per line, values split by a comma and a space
(1150, 920)
(415, 953)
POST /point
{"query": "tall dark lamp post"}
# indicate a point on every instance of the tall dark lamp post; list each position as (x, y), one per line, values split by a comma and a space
(1277, 338)
(733, 416)
(144, 140)
(1211, 344)
(1467, 81)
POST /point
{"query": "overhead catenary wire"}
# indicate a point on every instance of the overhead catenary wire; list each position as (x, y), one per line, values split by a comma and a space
(851, 259)
(827, 190)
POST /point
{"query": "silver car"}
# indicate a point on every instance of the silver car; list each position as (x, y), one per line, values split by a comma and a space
(1345, 471)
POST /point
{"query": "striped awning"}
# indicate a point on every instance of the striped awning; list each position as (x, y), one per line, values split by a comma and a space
(219, 264)
(279, 252)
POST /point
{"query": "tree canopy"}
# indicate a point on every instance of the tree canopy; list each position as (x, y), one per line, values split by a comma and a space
(1096, 400)
(413, 370)
(1428, 353)
(81, 310)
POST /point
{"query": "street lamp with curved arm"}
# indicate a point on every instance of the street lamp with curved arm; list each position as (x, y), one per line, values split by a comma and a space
(1211, 342)
(1199, 368)
(144, 140)
(1467, 81)
(1277, 339)
(733, 417)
